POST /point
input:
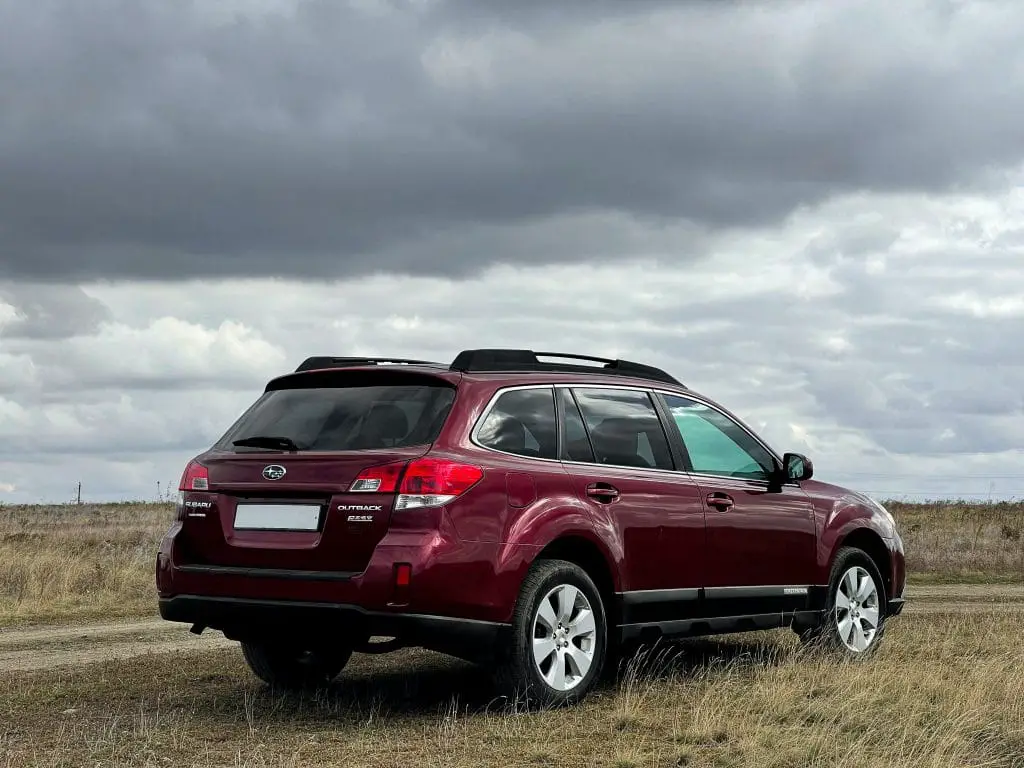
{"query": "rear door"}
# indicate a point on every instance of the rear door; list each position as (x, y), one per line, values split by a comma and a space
(617, 452)
(761, 540)
(291, 510)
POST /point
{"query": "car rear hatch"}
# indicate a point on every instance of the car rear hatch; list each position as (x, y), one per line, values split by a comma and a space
(274, 494)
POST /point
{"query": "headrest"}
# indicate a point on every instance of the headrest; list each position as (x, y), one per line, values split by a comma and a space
(386, 421)
(621, 430)
(510, 435)
(616, 441)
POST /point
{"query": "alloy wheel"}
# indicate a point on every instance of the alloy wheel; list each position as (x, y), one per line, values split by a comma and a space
(564, 637)
(857, 609)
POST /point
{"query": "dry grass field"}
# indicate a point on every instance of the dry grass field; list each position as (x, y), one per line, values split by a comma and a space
(958, 542)
(942, 690)
(70, 562)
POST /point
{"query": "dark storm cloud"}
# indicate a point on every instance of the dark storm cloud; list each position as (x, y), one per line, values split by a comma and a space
(145, 139)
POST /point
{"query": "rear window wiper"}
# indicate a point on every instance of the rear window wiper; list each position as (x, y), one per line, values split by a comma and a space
(267, 441)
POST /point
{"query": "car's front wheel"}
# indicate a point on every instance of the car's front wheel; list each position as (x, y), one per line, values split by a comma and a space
(854, 616)
(292, 668)
(559, 637)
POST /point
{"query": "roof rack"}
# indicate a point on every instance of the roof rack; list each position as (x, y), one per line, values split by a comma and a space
(314, 363)
(505, 360)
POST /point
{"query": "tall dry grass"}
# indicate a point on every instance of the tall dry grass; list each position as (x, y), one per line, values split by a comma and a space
(67, 562)
(960, 541)
(71, 562)
(942, 691)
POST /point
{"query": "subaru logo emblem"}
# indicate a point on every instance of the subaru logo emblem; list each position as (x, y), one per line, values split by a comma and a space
(274, 472)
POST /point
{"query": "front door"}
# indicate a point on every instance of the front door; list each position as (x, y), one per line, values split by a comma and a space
(761, 539)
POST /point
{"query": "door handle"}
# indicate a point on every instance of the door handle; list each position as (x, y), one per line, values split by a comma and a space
(721, 501)
(602, 492)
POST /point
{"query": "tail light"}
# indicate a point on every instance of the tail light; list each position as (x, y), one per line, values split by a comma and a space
(196, 477)
(424, 482)
(380, 479)
(434, 482)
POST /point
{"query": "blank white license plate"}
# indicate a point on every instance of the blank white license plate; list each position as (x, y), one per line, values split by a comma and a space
(277, 517)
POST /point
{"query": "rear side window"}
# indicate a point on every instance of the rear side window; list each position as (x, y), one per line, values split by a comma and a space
(624, 428)
(522, 422)
(341, 418)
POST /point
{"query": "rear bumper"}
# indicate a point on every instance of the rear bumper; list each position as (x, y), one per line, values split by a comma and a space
(449, 578)
(266, 620)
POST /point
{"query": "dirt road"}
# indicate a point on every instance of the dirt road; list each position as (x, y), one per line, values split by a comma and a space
(57, 646)
(47, 647)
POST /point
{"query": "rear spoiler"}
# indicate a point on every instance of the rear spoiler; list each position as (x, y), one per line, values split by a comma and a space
(322, 362)
(360, 376)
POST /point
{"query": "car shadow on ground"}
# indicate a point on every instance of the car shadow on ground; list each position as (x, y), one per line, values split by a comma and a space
(417, 682)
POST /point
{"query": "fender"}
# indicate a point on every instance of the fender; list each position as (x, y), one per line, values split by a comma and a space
(846, 515)
(535, 532)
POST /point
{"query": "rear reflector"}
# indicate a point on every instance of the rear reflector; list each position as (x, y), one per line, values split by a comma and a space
(196, 477)
(403, 580)
(403, 574)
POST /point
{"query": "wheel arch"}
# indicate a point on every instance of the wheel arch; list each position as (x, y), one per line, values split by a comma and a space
(587, 555)
(871, 544)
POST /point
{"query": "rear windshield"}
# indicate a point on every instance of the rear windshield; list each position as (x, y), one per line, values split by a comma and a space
(346, 418)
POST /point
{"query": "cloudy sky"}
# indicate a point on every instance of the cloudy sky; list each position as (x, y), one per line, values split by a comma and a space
(811, 211)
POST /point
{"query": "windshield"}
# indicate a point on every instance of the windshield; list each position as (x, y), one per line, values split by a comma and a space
(342, 418)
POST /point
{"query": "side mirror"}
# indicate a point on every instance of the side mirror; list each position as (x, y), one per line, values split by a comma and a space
(796, 466)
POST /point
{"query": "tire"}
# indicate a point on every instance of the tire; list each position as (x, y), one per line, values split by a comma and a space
(294, 669)
(558, 602)
(853, 622)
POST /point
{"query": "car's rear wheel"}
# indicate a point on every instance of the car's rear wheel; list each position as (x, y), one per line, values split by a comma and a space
(559, 637)
(293, 668)
(854, 617)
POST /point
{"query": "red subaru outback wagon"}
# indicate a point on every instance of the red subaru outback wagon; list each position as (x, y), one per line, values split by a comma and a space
(530, 515)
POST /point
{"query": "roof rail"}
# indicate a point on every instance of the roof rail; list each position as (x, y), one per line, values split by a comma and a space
(506, 360)
(314, 363)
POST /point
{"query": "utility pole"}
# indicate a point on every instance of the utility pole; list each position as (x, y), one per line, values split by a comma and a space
(79, 500)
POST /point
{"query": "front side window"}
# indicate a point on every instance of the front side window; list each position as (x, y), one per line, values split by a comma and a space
(716, 444)
(522, 422)
(624, 428)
